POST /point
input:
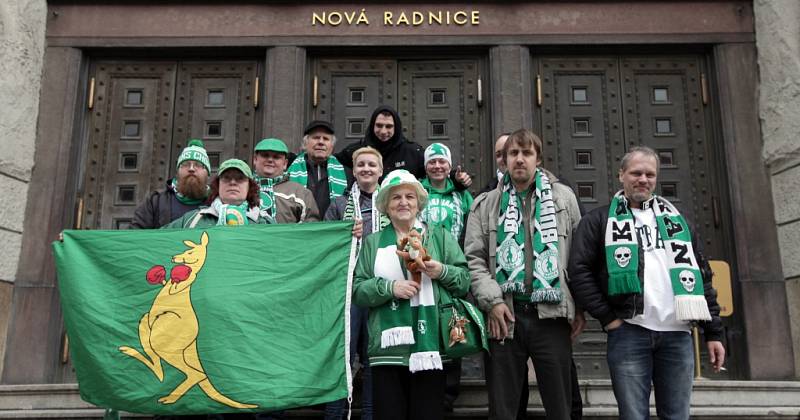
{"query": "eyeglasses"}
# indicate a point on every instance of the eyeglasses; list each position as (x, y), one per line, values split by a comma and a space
(192, 164)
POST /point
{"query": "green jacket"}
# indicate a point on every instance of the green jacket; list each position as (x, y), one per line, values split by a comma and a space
(207, 217)
(371, 291)
(443, 205)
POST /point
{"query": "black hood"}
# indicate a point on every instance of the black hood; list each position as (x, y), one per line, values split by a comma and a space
(384, 146)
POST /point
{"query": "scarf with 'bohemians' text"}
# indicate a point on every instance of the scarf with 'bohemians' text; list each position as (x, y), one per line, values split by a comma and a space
(510, 260)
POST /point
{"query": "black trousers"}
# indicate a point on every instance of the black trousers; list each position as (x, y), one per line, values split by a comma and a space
(398, 394)
(547, 343)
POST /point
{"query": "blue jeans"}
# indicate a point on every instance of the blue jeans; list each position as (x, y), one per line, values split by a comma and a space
(638, 357)
(336, 410)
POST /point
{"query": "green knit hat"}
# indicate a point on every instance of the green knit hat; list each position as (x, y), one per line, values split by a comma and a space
(235, 164)
(195, 150)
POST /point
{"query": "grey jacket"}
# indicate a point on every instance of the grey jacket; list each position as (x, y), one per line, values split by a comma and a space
(481, 242)
(294, 203)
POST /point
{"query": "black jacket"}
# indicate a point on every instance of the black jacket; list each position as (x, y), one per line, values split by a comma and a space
(159, 209)
(398, 152)
(588, 276)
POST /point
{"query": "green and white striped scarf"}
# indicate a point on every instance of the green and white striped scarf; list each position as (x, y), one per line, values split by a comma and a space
(337, 180)
(266, 190)
(229, 214)
(404, 322)
(379, 220)
(622, 255)
(510, 258)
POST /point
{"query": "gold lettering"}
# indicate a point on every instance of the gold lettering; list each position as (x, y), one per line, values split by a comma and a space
(387, 18)
(476, 17)
(460, 22)
(334, 18)
(362, 18)
(403, 19)
(317, 18)
(417, 18)
(435, 17)
(350, 16)
(447, 20)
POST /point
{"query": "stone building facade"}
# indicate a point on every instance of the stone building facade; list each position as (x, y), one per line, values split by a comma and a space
(734, 66)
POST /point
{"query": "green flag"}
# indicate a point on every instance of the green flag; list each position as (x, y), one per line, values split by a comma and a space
(213, 320)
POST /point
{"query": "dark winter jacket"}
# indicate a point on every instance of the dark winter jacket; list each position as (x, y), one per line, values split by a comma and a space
(589, 277)
(159, 209)
(337, 207)
(397, 152)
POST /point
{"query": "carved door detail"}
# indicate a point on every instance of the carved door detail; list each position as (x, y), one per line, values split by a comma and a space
(438, 104)
(348, 93)
(436, 100)
(143, 115)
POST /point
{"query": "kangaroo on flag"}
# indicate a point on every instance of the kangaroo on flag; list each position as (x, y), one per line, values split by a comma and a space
(201, 321)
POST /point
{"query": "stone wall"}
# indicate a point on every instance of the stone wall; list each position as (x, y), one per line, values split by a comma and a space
(778, 43)
(22, 30)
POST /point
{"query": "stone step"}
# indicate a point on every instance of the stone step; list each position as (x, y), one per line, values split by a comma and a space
(710, 399)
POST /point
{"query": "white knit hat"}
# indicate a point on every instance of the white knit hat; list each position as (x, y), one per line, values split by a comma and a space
(438, 150)
(397, 178)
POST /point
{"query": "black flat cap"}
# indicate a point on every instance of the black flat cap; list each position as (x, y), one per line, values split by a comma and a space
(318, 124)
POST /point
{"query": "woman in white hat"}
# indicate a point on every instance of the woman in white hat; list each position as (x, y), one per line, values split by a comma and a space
(405, 342)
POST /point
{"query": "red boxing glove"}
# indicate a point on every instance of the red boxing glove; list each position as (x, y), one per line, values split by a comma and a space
(180, 273)
(156, 274)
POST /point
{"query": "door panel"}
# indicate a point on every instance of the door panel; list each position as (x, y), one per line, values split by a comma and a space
(581, 125)
(438, 103)
(214, 103)
(129, 138)
(349, 91)
(144, 114)
(664, 110)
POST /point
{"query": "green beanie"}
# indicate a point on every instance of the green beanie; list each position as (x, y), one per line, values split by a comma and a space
(194, 151)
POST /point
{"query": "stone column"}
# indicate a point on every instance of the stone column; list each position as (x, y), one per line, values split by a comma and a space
(22, 24)
(763, 289)
(778, 42)
(285, 95)
(511, 89)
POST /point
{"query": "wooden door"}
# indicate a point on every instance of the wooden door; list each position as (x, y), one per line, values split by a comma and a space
(349, 91)
(143, 115)
(438, 104)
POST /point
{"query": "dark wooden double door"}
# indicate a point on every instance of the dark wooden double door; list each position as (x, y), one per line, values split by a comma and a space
(590, 110)
(142, 116)
(438, 101)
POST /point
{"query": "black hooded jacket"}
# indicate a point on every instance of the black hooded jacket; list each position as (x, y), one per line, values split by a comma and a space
(397, 152)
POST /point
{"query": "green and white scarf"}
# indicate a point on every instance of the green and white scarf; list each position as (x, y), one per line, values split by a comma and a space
(337, 180)
(229, 214)
(444, 207)
(379, 220)
(414, 321)
(266, 190)
(184, 199)
(622, 255)
(510, 258)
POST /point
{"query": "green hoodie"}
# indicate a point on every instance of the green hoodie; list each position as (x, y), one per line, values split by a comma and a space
(447, 207)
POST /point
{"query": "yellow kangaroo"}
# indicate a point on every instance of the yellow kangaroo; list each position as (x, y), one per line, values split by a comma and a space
(169, 331)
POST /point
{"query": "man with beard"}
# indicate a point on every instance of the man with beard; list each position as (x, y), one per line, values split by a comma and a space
(316, 168)
(282, 200)
(385, 134)
(186, 192)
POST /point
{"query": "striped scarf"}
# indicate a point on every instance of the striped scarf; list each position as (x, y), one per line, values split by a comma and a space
(337, 180)
(622, 256)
